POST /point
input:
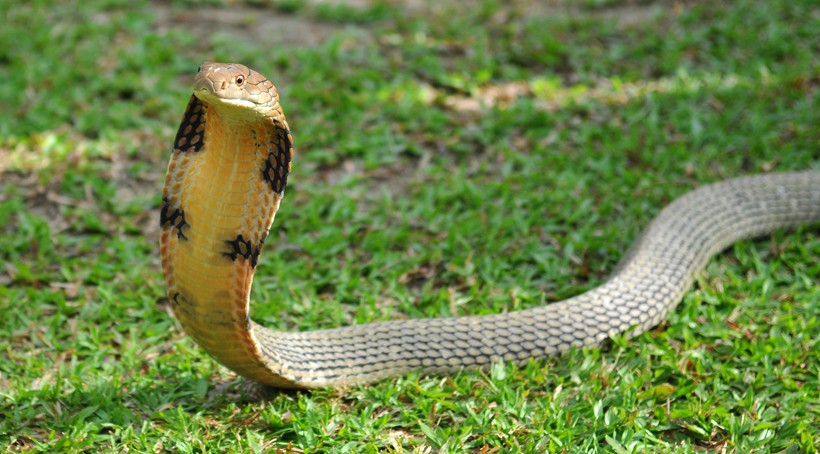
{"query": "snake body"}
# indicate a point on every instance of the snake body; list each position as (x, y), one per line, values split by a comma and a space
(227, 176)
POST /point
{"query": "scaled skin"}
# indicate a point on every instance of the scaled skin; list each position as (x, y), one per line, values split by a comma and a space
(227, 176)
(225, 181)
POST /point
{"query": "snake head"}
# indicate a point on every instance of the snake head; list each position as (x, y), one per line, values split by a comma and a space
(236, 87)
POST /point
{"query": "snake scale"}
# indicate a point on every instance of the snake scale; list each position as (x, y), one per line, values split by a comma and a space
(225, 180)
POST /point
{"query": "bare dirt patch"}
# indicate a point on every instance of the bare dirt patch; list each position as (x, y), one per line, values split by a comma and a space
(265, 27)
(268, 26)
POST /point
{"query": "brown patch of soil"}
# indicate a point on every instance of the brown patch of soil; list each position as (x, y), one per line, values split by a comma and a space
(267, 27)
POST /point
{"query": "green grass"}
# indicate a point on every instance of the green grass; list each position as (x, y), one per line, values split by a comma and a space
(449, 161)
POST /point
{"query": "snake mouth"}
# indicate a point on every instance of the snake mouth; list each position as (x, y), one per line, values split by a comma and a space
(208, 91)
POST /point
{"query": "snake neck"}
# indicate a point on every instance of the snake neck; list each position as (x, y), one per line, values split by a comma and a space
(222, 190)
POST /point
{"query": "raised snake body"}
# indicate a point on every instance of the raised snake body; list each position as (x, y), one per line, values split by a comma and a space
(227, 175)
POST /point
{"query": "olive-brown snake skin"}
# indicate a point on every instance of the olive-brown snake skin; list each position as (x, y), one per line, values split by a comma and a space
(228, 173)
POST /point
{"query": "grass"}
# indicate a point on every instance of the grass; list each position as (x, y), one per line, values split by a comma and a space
(449, 161)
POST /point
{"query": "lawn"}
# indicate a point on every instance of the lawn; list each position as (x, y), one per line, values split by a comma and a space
(450, 160)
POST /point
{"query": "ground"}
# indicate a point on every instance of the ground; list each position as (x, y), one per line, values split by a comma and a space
(450, 160)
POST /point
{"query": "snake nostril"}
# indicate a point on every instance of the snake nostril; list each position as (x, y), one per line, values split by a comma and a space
(223, 85)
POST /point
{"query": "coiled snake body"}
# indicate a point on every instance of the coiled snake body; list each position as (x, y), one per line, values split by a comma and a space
(225, 180)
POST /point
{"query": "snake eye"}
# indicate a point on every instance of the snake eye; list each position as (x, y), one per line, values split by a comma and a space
(239, 80)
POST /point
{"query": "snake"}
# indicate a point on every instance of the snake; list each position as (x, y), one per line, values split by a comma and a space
(226, 178)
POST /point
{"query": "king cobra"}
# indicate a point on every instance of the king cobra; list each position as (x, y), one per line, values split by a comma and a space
(227, 175)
